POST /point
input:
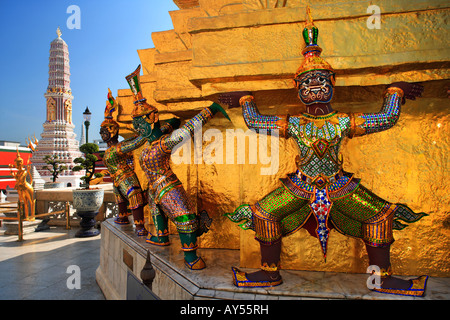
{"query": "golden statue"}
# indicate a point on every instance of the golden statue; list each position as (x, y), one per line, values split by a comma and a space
(68, 111)
(51, 109)
(23, 187)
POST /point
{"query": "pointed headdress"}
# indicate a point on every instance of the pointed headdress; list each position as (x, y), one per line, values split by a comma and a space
(18, 157)
(141, 106)
(313, 60)
(111, 106)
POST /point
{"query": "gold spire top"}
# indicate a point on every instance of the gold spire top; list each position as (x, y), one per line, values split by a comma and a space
(312, 51)
(58, 32)
(309, 19)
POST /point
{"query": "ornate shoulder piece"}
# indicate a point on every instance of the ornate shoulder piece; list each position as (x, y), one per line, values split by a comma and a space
(283, 125)
(335, 119)
(356, 121)
(392, 90)
(244, 99)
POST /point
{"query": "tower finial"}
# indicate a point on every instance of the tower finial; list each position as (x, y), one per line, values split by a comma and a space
(312, 51)
(58, 32)
(309, 19)
(310, 32)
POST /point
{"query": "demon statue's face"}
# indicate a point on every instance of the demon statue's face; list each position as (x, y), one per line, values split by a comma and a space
(108, 132)
(143, 126)
(315, 86)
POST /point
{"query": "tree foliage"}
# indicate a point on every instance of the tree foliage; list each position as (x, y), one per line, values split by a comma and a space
(87, 163)
(54, 165)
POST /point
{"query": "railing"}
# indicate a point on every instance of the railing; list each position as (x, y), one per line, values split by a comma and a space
(56, 203)
(21, 216)
(54, 199)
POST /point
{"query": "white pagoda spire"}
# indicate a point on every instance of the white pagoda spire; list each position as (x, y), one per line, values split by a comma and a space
(83, 138)
(58, 137)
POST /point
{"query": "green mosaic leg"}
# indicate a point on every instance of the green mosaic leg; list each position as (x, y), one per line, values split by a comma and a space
(278, 213)
(189, 247)
(161, 225)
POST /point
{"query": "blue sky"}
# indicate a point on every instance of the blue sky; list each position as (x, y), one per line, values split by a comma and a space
(101, 54)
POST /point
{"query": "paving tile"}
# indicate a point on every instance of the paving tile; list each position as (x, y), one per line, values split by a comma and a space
(36, 269)
(18, 291)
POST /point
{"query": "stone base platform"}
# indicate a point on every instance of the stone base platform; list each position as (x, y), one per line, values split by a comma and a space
(123, 252)
(12, 227)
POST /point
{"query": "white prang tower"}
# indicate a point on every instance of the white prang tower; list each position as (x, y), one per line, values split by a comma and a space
(58, 137)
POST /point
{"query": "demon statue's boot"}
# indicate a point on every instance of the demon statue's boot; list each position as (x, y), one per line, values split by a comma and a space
(269, 275)
(161, 238)
(124, 213)
(320, 195)
(168, 197)
(380, 256)
(118, 159)
(188, 240)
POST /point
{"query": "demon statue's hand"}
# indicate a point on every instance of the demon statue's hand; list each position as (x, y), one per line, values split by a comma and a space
(410, 90)
(232, 98)
(215, 107)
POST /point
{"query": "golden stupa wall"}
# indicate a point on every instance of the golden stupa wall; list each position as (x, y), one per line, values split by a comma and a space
(219, 46)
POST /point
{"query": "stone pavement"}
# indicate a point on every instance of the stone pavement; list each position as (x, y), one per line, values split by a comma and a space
(36, 269)
(39, 269)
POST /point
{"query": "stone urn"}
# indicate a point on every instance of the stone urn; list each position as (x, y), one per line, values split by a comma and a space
(87, 203)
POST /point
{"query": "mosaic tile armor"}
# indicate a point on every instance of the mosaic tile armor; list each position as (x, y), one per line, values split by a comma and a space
(320, 186)
(119, 161)
(167, 197)
(320, 195)
(118, 158)
(165, 189)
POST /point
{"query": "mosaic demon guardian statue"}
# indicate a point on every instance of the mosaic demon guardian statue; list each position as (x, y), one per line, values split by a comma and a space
(320, 196)
(167, 197)
(118, 158)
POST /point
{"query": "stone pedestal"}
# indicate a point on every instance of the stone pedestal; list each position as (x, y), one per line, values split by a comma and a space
(11, 195)
(122, 252)
(12, 227)
(87, 224)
